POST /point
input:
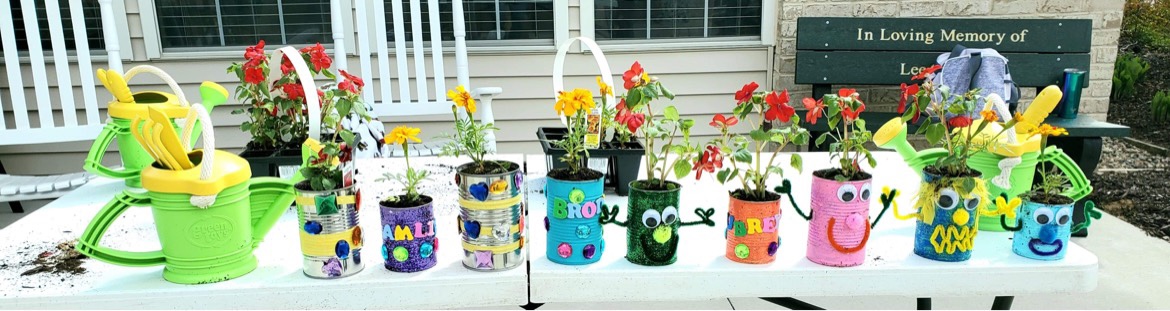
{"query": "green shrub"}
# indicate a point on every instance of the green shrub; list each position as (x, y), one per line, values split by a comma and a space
(1147, 23)
(1160, 106)
(1127, 71)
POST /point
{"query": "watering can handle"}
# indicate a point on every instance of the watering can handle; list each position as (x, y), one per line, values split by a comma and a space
(1081, 187)
(306, 78)
(198, 114)
(161, 75)
(598, 56)
(90, 242)
(93, 161)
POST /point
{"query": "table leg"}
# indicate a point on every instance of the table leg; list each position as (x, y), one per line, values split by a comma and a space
(1002, 303)
(924, 303)
(14, 205)
(791, 303)
(532, 306)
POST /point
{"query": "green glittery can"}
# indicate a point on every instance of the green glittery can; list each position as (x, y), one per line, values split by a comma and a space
(652, 223)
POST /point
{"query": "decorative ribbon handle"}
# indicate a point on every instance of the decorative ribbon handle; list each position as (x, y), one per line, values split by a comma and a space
(312, 102)
(559, 69)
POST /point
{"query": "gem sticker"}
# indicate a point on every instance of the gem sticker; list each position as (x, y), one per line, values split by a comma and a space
(589, 251)
(332, 267)
(426, 250)
(312, 227)
(479, 191)
(583, 231)
(342, 249)
(401, 254)
(499, 186)
(564, 250)
(326, 204)
(741, 251)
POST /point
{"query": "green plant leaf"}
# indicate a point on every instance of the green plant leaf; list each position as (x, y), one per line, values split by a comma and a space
(821, 139)
(681, 169)
(666, 92)
(347, 136)
(634, 100)
(859, 123)
(671, 113)
(759, 135)
(935, 133)
(742, 156)
(723, 175)
(869, 158)
(797, 162)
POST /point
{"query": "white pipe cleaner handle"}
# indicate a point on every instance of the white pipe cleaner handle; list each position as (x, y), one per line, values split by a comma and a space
(598, 57)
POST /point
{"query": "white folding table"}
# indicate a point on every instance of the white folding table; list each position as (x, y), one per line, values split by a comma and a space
(277, 283)
(702, 272)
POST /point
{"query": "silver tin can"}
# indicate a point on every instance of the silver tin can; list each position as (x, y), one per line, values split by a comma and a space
(491, 218)
(331, 240)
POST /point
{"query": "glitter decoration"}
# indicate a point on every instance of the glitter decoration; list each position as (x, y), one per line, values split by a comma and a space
(342, 249)
(483, 260)
(583, 231)
(312, 227)
(332, 267)
(589, 251)
(401, 254)
(564, 250)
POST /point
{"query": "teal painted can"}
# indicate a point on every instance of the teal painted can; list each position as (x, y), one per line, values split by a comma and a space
(1043, 230)
(575, 235)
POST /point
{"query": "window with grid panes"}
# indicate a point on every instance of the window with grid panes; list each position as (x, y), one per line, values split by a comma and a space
(234, 23)
(676, 19)
(484, 20)
(93, 25)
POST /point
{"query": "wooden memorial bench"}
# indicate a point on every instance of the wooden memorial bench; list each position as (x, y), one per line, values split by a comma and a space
(888, 51)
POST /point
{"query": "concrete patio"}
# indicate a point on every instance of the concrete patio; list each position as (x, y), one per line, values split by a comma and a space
(1135, 274)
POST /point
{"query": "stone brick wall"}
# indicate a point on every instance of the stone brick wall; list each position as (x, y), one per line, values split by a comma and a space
(1106, 16)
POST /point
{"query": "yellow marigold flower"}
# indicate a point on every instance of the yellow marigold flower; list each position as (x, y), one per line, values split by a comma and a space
(569, 102)
(462, 98)
(605, 89)
(401, 134)
(1018, 117)
(989, 115)
(1048, 130)
(645, 79)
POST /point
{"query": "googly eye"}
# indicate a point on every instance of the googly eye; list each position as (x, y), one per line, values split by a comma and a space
(947, 199)
(669, 215)
(847, 193)
(651, 219)
(972, 203)
(865, 192)
(1063, 216)
(1042, 215)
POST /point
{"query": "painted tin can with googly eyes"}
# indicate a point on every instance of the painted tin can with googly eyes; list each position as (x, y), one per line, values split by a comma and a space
(1042, 231)
(839, 226)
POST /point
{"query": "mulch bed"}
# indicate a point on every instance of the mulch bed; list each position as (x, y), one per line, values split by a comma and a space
(1134, 111)
(1132, 184)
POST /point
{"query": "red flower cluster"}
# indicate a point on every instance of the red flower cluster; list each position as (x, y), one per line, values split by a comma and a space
(778, 108)
(815, 109)
(352, 83)
(317, 56)
(847, 112)
(626, 117)
(293, 91)
(635, 72)
(712, 159)
(253, 69)
(959, 121)
(929, 70)
(720, 121)
(908, 92)
(745, 94)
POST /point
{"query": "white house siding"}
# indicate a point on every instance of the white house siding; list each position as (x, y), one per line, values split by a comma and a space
(703, 79)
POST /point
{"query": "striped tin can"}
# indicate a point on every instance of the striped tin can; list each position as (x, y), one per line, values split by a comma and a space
(331, 240)
(491, 218)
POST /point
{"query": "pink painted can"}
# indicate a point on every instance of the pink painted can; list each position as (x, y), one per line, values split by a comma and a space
(839, 228)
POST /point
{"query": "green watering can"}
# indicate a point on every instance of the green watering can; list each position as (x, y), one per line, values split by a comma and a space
(210, 218)
(127, 106)
(1021, 157)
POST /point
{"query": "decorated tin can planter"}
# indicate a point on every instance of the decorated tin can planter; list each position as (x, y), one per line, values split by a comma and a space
(491, 218)
(574, 212)
(652, 224)
(839, 226)
(1042, 231)
(408, 237)
(946, 222)
(331, 240)
(753, 230)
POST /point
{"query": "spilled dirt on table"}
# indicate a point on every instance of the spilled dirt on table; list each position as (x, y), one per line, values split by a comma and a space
(64, 258)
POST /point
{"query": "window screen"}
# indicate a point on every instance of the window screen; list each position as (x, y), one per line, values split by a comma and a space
(484, 20)
(211, 23)
(93, 25)
(676, 19)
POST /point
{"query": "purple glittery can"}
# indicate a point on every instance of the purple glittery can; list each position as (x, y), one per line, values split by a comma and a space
(408, 236)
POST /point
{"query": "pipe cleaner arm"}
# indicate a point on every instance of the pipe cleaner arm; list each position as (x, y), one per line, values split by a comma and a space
(1005, 209)
(609, 216)
(785, 188)
(887, 199)
(705, 218)
(1003, 222)
(1091, 213)
(893, 197)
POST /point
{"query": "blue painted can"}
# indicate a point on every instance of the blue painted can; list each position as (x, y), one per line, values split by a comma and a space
(574, 210)
(1044, 232)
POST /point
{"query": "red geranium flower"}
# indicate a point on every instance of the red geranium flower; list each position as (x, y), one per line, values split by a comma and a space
(745, 94)
(317, 56)
(929, 70)
(255, 52)
(843, 93)
(293, 91)
(286, 66)
(815, 109)
(356, 79)
(711, 160)
(721, 121)
(959, 121)
(907, 92)
(847, 112)
(778, 107)
(629, 76)
(253, 74)
(631, 120)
